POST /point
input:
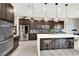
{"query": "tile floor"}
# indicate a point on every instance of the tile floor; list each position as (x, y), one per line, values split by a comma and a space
(29, 48)
(26, 48)
(60, 52)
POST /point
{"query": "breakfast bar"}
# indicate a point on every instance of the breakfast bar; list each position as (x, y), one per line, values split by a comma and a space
(55, 36)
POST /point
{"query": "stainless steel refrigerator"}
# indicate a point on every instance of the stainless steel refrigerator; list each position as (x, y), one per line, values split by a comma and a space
(6, 37)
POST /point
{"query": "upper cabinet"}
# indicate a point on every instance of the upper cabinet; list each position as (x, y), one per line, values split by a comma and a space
(0, 11)
(24, 21)
(36, 24)
(6, 12)
(3, 11)
(10, 13)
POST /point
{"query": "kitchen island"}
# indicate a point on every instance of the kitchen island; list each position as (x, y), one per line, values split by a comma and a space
(47, 36)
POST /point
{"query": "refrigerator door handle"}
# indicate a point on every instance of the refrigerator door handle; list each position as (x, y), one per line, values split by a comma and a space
(4, 41)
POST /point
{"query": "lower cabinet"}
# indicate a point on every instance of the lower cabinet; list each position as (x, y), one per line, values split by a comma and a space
(15, 42)
(15, 45)
(33, 36)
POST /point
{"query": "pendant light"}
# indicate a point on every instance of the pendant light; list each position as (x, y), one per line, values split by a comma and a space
(66, 10)
(56, 19)
(67, 27)
(45, 9)
(32, 17)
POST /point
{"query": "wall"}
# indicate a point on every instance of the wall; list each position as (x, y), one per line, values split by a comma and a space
(71, 23)
(77, 24)
(16, 23)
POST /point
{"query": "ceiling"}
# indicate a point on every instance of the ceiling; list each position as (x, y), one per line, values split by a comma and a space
(38, 10)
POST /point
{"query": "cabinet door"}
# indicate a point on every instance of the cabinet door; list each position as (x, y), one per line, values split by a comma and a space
(6, 12)
(3, 11)
(15, 42)
(12, 16)
(9, 11)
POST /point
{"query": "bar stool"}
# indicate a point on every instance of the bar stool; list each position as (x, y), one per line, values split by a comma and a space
(74, 41)
(62, 43)
(57, 44)
(66, 43)
(47, 44)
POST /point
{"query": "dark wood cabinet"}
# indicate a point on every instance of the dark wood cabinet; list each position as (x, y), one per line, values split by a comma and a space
(51, 23)
(60, 23)
(36, 24)
(0, 11)
(24, 21)
(6, 12)
(32, 36)
(3, 11)
(10, 13)
(15, 42)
